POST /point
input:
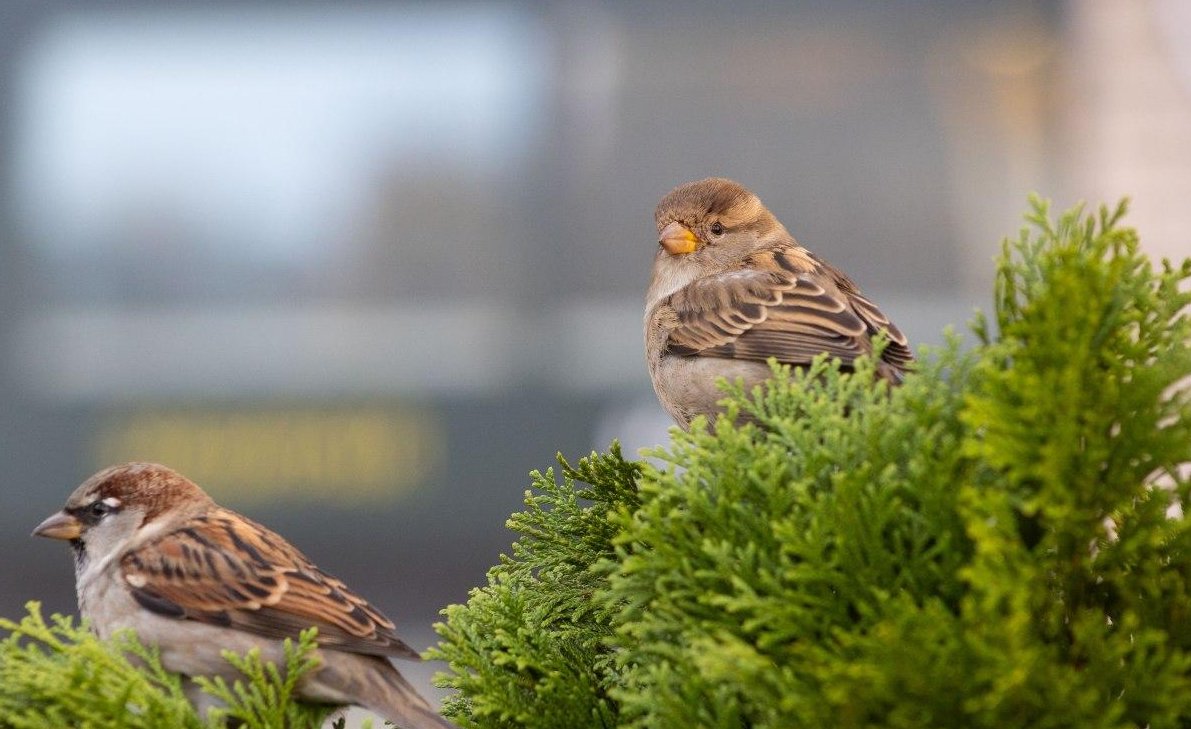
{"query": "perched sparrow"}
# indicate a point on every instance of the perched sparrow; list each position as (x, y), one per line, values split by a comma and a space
(731, 288)
(154, 553)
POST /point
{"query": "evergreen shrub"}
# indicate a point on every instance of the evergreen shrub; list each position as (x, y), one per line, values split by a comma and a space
(996, 543)
(58, 674)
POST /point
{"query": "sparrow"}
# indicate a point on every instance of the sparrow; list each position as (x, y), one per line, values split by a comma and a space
(155, 554)
(732, 288)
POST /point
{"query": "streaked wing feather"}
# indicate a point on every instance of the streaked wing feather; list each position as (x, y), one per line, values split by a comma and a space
(714, 311)
(787, 347)
(226, 570)
(897, 352)
(784, 304)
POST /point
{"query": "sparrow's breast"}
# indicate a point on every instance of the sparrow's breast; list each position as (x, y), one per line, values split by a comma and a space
(687, 385)
(105, 601)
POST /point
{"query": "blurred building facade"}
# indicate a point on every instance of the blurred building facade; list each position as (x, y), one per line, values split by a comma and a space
(358, 268)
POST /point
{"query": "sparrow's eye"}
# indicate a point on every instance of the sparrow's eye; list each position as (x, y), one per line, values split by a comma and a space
(98, 508)
(91, 514)
(717, 228)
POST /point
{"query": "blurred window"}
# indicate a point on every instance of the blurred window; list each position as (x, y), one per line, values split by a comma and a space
(240, 156)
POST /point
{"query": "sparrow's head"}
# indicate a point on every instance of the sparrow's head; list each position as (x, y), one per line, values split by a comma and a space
(713, 218)
(108, 508)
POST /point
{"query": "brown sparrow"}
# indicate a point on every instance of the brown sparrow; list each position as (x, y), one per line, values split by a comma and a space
(154, 553)
(731, 288)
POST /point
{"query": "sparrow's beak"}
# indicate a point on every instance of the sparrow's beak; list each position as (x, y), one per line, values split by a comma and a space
(59, 526)
(677, 238)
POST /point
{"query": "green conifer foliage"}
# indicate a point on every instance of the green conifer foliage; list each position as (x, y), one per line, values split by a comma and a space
(530, 648)
(988, 545)
(58, 674)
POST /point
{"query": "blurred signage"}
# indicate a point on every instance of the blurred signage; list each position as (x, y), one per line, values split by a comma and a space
(354, 456)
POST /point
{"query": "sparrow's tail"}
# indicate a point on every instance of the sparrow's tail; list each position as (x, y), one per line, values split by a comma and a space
(375, 684)
(401, 704)
(894, 374)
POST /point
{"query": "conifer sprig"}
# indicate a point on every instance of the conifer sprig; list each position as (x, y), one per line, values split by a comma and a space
(58, 674)
(988, 545)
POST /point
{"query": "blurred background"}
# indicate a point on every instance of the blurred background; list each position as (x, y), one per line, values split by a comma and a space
(358, 268)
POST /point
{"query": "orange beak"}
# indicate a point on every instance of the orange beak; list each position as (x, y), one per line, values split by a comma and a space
(677, 238)
(59, 526)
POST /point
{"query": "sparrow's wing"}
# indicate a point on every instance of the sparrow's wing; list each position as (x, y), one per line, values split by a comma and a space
(897, 352)
(784, 304)
(227, 570)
